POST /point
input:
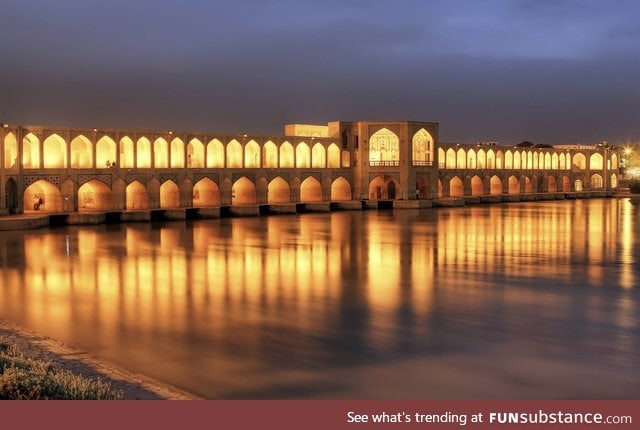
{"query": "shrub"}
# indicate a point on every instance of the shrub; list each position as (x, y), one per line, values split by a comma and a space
(23, 378)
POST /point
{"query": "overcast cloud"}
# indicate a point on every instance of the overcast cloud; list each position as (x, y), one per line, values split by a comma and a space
(546, 71)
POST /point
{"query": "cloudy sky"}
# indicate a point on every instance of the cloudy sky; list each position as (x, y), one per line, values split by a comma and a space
(549, 71)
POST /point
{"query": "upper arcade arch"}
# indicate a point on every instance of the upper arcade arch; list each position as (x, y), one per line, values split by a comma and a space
(422, 148)
(10, 151)
(195, 153)
(105, 152)
(384, 148)
(81, 153)
(55, 152)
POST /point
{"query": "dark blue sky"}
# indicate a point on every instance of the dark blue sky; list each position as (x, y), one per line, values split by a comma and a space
(507, 70)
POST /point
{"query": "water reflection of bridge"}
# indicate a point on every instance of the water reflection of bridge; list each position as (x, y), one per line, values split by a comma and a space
(68, 170)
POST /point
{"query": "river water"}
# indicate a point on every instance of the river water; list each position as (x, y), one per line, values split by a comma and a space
(522, 300)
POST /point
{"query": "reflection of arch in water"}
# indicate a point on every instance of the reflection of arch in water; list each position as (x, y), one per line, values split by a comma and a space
(206, 193)
(42, 196)
(383, 187)
(340, 189)
(278, 191)
(95, 195)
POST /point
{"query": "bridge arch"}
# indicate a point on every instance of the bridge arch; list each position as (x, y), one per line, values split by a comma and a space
(597, 182)
(333, 156)
(422, 147)
(310, 190)
(554, 161)
(461, 159)
(252, 155)
(169, 195)
(456, 187)
(477, 186)
(195, 154)
(270, 155)
(514, 185)
(614, 180)
(552, 185)
(127, 159)
(81, 153)
(243, 192)
(383, 187)
(42, 196)
(340, 189)
(287, 159)
(566, 184)
(30, 152)
(160, 153)
(95, 195)
(516, 160)
(55, 152)
(206, 193)
(303, 155)
(384, 146)
(596, 161)
(500, 163)
(579, 161)
(318, 156)
(177, 153)
(450, 159)
(136, 196)
(143, 151)
(234, 155)
(278, 191)
(215, 154)
(106, 152)
(491, 159)
(495, 184)
(10, 151)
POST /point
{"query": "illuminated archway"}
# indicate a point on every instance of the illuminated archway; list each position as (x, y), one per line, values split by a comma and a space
(105, 152)
(451, 159)
(243, 192)
(81, 153)
(333, 156)
(596, 182)
(340, 189)
(143, 153)
(508, 160)
(206, 193)
(614, 180)
(195, 154)
(614, 162)
(477, 186)
(384, 148)
(514, 185)
(552, 185)
(310, 190)
(491, 159)
(495, 185)
(10, 151)
(137, 196)
(42, 196)
(441, 158)
(471, 159)
(461, 162)
(547, 161)
(561, 163)
(169, 195)
(318, 156)
(303, 155)
(215, 154)
(482, 159)
(177, 153)
(286, 155)
(31, 152)
(160, 153)
(422, 147)
(270, 155)
(566, 184)
(579, 161)
(535, 160)
(596, 161)
(499, 160)
(252, 155)
(383, 187)
(278, 191)
(516, 160)
(529, 160)
(55, 152)
(95, 195)
(554, 161)
(11, 195)
(456, 188)
(234, 154)
(127, 159)
(528, 186)
(578, 184)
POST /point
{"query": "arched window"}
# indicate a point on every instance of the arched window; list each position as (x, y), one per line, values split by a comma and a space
(384, 148)
(422, 147)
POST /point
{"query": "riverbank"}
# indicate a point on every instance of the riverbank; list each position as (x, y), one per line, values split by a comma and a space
(34, 220)
(133, 386)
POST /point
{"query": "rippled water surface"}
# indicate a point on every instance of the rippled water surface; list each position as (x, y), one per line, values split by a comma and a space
(522, 300)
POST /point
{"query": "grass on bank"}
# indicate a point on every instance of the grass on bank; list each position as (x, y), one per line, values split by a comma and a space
(23, 378)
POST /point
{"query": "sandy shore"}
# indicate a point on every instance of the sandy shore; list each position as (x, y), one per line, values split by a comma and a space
(134, 386)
